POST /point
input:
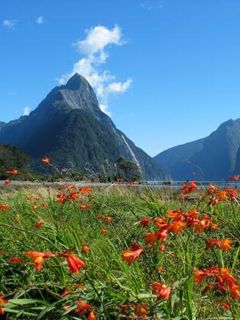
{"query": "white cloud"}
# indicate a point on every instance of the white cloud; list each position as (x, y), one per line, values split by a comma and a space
(152, 4)
(26, 111)
(93, 51)
(39, 20)
(97, 39)
(10, 24)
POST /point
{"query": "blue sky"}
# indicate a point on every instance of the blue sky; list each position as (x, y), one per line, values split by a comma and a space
(173, 66)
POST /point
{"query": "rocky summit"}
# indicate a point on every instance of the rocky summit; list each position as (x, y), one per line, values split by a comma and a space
(69, 127)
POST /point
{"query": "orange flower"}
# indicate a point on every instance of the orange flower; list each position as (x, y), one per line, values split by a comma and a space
(234, 178)
(2, 303)
(61, 198)
(73, 196)
(199, 275)
(104, 218)
(13, 172)
(91, 316)
(85, 206)
(144, 222)
(226, 244)
(141, 311)
(82, 307)
(15, 260)
(161, 290)
(85, 249)
(160, 222)
(4, 207)
(74, 263)
(174, 214)
(34, 207)
(161, 248)
(162, 234)
(104, 231)
(38, 258)
(132, 254)
(151, 238)
(222, 279)
(189, 187)
(232, 193)
(177, 226)
(212, 188)
(225, 305)
(39, 224)
(85, 190)
(45, 160)
(222, 244)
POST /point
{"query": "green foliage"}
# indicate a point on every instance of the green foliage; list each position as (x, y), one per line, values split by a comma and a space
(12, 158)
(128, 170)
(108, 281)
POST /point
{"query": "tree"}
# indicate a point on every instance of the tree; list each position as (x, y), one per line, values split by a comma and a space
(12, 158)
(128, 170)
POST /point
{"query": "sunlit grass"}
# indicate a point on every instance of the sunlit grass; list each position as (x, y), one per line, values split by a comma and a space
(113, 288)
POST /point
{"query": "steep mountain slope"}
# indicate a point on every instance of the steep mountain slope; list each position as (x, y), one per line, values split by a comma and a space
(2, 124)
(212, 158)
(69, 126)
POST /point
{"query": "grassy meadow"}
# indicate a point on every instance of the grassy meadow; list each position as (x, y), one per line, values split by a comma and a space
(115, 253)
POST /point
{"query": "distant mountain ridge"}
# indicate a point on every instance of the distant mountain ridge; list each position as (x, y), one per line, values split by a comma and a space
(215, 157)
(69, 126)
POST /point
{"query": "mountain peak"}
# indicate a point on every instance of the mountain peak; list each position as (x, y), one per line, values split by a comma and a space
(77, 82)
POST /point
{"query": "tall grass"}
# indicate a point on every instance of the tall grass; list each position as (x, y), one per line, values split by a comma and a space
(109, 284)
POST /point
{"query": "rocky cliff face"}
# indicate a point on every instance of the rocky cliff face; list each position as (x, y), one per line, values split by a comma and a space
(215, 157)
(69, 126)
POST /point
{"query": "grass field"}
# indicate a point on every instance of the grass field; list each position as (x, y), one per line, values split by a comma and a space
(119, 254)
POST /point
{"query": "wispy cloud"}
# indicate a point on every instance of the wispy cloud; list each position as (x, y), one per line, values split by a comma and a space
(26, 111)
(39, 20)
(10, 24)
(151, 4)
(94, 54)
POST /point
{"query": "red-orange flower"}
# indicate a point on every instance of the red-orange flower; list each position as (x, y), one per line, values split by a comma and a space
(4, 207)
(85, 249)
(133, 253)
(34, 207)
(61, 198)
(13, 172)
(104, 231)
(82, 307)
(91, 316)
(73, 196)
(45, 160)
(85, 190)
(177, 226)
(2, 303)
(189, 187)
(15, 260)
(151, 238)
(105, 218)
(162, 235)
(85, 206)
(141, 311)
(161, 290)
(38, 258)
(225, 244)
(144, 222)
(221, 280)
(160, 222)
(39, 224)
(235, 178)
(75, 264)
